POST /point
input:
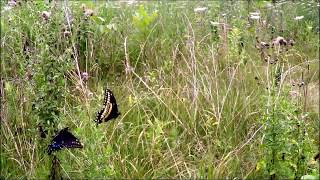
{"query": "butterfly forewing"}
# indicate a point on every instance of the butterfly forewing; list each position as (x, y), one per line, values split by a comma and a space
(70, 141)
(107, 96)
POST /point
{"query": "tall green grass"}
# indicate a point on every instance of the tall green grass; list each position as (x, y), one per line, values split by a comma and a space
(194, 103)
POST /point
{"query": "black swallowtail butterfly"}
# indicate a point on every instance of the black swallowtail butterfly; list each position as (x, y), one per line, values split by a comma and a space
(109, 109)
(64, 139)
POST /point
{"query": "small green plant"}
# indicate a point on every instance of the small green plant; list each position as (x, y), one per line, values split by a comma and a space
(49, 84)
(286, 144)
(142, 20)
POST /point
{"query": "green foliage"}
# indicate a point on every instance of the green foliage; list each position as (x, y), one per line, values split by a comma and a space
(286, 143)
(186, 111)
(49, 83)
(142, 20)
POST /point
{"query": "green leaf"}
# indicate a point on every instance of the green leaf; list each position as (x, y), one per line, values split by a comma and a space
(8, 87)
(260, 165)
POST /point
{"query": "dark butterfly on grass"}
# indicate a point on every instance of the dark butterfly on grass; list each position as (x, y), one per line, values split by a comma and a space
(109, 109)
(64, 139)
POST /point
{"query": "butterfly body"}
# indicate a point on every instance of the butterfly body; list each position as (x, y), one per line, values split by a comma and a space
(64, 139)
(109, 109)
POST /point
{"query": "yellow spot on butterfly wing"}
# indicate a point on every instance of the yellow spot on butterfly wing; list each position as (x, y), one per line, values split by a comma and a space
(106, 111)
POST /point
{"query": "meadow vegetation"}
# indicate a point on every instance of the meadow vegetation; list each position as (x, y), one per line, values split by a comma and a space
(200, 95)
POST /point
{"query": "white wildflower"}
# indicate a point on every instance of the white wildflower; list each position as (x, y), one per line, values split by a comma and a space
(298, 18)
(214, 23)
(255, 17)
(112, 26)
(200, 9)
(7, 8)
(254, 14)
(130, 2)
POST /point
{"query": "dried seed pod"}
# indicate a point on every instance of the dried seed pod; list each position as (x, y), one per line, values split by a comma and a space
(279, 41)
(84, 76)
(301, 84)
(83, 7)
(88, 12)
(291, 42)
(12, 3)
(66, 34)
(46, 15)
(264, 45)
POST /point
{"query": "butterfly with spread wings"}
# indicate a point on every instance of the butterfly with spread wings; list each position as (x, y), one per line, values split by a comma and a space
(64, 139)
(109, 109)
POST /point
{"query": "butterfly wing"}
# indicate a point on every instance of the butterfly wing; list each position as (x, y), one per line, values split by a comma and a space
(70, 141)
(98, 119)
(109, 109)
(114, 111)
(64, 139)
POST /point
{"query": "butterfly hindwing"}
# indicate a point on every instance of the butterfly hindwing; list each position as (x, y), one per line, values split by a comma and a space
(109, 109)
(64, 139)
